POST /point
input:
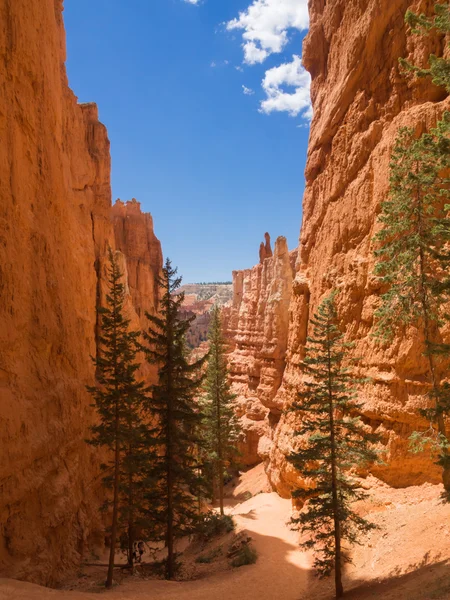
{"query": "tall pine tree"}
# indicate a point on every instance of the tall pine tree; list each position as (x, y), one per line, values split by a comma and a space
(120, 399)
(220, 425)
(177, 471)
(333, 441)
(413, 259)
(413, 243)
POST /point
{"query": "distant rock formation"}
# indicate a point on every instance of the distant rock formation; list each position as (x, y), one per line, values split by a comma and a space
(198, 301)
(265, 249)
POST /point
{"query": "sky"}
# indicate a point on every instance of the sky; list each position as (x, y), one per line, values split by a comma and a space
(207, 108)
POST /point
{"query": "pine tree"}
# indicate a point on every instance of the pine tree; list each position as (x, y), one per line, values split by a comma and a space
(414, 258)
(220, 425)
(119, 400)
(439, 69)
(177, 471)
(333, 441)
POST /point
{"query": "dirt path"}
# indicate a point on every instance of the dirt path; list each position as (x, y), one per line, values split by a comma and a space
(281, 571)
(407, 558)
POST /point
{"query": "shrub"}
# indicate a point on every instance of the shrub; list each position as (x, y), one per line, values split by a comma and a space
(247, 555)
(214, 524)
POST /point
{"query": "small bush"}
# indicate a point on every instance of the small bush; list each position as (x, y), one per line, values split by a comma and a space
(246, 556)
(213, 524)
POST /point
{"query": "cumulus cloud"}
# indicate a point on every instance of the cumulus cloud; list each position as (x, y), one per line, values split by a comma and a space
(192, 1)
(291, 75)
(265, 25)
(247, 91)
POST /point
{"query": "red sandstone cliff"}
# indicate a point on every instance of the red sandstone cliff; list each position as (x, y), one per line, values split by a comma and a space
(257, 328)
(55, 226)
(360, 100)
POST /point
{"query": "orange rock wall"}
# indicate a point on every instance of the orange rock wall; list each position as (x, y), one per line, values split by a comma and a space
(256, 327)
(360, 100)
(55, 225)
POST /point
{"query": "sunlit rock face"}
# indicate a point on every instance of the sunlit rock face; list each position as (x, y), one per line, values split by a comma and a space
(360, 100)
(55, 229)
(256, 326)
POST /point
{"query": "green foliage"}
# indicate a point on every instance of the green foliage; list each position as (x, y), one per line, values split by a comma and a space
(431, 440)
(439, 69)
(120, 399)
(414, 241)
(412, 253)
(213, 524)
(247, 555)
(176, 470)
(221, 427)
(332, 440)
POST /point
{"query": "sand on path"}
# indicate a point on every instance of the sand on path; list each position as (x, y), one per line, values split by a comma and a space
(406, 558)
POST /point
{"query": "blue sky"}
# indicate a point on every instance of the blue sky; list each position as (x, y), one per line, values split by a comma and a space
(216, 163)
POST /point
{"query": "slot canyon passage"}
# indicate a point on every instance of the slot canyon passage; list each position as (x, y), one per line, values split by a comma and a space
(57, 222)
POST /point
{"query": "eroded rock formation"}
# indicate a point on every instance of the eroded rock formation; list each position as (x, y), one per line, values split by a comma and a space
(265, 249)
(55, 226)
(257, 328)
(360, 100)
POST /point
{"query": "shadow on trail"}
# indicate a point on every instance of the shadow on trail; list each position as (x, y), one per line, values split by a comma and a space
(423, 581)
(272, 577)
(251, 514)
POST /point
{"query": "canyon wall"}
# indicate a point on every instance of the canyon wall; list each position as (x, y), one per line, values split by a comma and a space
(55, 227)
(360, 100)
(256, 327)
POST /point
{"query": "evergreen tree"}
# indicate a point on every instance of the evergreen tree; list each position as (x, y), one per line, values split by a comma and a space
(220, 426)
(412, 244)
(439, 69)
(119, 400)
(177, 472)
(333, 441)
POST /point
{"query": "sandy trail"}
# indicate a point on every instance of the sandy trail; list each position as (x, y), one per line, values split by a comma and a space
(407, 558)
(281, 571)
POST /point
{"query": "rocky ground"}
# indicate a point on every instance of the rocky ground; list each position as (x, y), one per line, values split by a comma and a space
(407, 557)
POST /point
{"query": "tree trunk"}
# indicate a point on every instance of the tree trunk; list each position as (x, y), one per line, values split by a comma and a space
(170, 569)
(130, 523)
(109, 579)
(334, 490)
(219, 434)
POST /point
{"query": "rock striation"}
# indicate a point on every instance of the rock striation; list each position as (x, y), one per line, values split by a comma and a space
(360, 100)
(256, 326)
(55, 227)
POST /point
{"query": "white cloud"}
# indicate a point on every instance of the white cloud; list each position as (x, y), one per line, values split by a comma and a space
(239, 68)
(265, 24)
(192, 1)
(213, 64)
(247, 91)
(293, 75)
